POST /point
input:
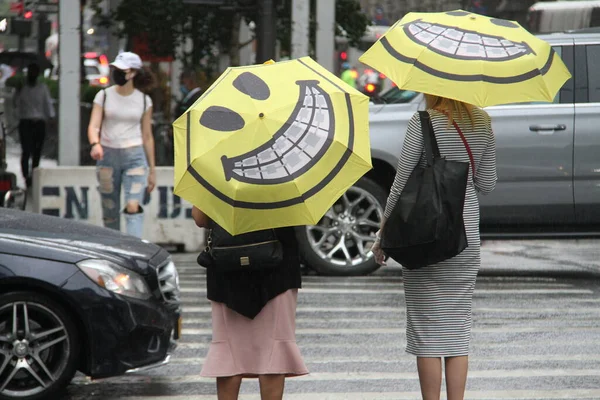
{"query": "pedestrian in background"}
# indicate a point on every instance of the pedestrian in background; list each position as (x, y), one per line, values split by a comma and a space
(5, 73)
(439, 297)
(253, 321)
(121, 140)
(190, 90)
(35, 109)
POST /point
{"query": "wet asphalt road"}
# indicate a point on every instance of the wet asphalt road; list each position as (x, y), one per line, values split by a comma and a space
(536, 333)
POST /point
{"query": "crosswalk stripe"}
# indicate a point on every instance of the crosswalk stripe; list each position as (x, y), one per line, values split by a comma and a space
(366, 331)
(378, 320)
(377, 376)
(201, 283)
(400, 310)
(399, 343)
(581, 394)
(405, 360)
(401, 292)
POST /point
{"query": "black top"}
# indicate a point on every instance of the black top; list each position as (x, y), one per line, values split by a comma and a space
(247, 292)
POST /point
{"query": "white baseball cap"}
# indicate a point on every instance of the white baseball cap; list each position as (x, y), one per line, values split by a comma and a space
(127, 60)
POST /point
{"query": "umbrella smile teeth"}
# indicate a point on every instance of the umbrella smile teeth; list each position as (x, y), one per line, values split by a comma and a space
(462, 44)
(295, 148)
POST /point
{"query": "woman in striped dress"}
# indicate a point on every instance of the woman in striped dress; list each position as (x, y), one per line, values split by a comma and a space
(439, 297)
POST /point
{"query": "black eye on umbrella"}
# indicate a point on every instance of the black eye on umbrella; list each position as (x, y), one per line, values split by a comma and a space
(458, 13)
(504, 23)
(252, 85)
(221, 119)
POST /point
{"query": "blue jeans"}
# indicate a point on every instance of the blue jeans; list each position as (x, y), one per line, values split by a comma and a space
(126, 167)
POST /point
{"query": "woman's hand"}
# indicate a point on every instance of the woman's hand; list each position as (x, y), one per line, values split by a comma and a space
(97, 152)
(202, 220)
(380, 256)
(151, 180)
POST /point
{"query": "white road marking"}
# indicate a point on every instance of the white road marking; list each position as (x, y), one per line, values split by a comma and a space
(363, 331)
(410, 360)
(473, 395)
(401, 291)
(374, 376)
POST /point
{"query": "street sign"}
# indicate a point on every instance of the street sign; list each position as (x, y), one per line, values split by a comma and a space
(47, 8)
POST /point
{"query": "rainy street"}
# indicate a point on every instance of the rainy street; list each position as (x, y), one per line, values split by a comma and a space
(536, 333)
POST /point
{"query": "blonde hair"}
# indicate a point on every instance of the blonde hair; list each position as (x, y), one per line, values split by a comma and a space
(451, 108)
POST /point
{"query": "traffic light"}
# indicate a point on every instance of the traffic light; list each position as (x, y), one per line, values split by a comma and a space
(28, 14)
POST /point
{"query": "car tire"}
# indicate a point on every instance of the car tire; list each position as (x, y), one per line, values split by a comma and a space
(49, 343)
(343, 227)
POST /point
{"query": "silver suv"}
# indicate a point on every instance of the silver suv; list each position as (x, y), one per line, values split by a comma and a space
(548, 157)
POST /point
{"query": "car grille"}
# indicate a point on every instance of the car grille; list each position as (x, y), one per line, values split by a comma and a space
(168, 282)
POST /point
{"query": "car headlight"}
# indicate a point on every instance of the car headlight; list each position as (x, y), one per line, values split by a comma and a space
(115, 278)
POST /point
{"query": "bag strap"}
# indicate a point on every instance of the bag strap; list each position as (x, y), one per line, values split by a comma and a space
(102, 119)
(144, 110)
(464, 140)
(429, 142)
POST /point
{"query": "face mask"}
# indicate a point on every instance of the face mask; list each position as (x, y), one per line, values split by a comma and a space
(184, 90)
(119, 77)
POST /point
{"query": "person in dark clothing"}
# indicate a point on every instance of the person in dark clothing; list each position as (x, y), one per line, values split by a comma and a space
(34, 107)
(189, 89)
(254, 322)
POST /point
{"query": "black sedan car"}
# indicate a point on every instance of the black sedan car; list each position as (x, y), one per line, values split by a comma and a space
(76, 297)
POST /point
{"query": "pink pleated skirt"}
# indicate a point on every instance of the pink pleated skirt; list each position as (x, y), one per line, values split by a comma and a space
(260, 346)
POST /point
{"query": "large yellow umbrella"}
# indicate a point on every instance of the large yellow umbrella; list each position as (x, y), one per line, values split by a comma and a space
(468, 57)
(271, 145)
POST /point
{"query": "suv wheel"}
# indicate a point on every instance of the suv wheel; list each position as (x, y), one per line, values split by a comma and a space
(340, 243)
(39, 347)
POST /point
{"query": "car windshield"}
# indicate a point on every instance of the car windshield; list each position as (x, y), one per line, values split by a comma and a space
(396, 96)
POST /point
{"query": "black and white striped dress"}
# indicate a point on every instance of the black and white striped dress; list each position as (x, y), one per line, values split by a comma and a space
(439, 297)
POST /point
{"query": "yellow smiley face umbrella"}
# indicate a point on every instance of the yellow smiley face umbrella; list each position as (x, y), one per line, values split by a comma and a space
(468, 57)
(271, 145)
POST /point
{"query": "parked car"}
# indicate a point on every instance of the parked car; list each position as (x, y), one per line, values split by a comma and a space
(547, 157)
(97, 69)
(76, 297)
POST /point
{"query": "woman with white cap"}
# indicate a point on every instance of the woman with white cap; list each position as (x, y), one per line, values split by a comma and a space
(121, 141)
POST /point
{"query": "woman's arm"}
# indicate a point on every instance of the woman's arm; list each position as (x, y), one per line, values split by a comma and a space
(94, 126)
(202, 220)
(486, 175)
(412, 149)
(148, 139)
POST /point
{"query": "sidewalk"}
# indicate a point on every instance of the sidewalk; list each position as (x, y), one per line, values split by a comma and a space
(13, 160)
(577, 258)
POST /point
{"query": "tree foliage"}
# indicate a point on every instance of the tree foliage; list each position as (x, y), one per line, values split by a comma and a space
(167, 25)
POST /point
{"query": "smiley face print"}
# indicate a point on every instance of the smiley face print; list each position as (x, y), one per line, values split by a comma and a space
(295, 148)
(273, 136)
(462, 46)
(458, 43)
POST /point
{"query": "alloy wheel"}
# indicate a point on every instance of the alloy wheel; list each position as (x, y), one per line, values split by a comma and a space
(345, 234)
(34, 348)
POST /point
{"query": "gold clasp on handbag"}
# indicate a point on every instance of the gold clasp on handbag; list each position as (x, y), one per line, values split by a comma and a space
(244, 261)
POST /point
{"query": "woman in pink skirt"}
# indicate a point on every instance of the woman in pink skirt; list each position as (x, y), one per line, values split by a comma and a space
(254, 323)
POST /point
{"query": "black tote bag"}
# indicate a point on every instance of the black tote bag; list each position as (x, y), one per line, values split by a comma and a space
(426, 226)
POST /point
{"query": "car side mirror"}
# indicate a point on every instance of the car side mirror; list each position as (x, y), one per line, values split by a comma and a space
(16, 199)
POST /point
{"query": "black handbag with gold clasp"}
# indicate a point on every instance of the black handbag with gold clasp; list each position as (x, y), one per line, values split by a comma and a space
(258, 250)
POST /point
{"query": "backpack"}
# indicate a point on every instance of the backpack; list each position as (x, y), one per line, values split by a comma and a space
(426, 226)
(259, 250)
